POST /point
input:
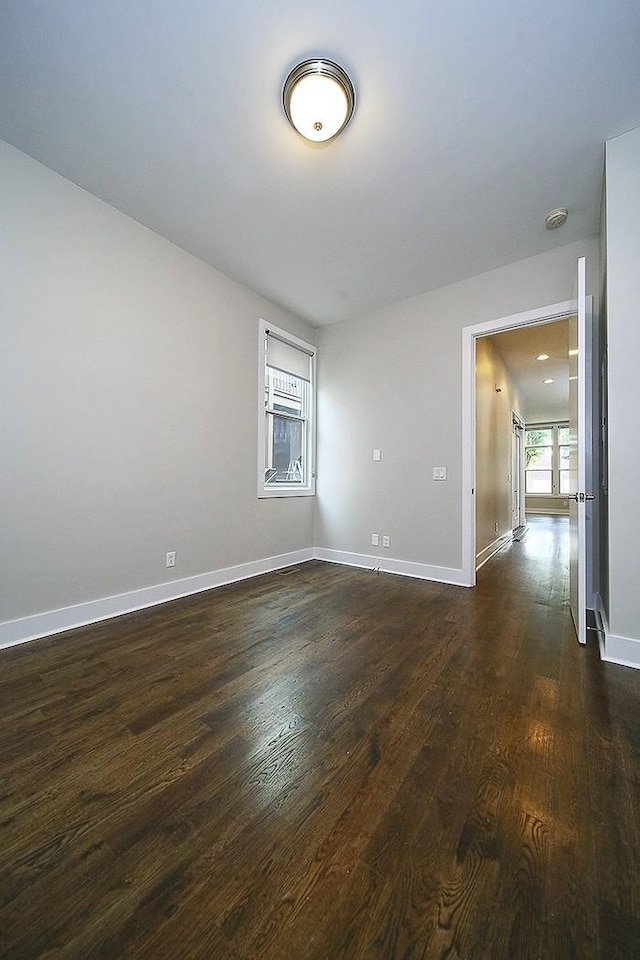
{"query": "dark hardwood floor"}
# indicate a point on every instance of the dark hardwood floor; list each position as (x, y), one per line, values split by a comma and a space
(325, 763)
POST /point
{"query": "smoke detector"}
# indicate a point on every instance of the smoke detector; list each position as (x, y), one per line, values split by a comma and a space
(556, 218)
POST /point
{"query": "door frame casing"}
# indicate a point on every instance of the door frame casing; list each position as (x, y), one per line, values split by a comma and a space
(517, 467)
(528, 318)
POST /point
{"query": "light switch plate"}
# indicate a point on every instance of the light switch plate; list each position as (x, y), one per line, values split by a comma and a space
(439, 473)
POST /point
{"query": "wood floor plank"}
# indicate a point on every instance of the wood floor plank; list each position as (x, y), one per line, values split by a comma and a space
(325, 762)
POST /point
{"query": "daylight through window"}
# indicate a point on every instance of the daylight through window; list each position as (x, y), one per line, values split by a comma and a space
(286, 438)
(547, 452)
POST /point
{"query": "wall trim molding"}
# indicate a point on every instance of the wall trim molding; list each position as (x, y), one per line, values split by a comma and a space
(13, 632)
(404, 568)
(492, 548)
(625, 651)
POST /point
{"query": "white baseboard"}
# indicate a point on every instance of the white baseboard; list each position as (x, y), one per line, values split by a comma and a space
(624, 651)
(613, 649)
(492, 548)
(405, 568)
(13, 632)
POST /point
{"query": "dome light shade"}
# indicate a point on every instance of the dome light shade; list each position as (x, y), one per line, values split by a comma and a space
(318, 99)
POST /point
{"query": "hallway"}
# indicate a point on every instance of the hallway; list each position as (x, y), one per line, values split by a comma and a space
(325, 763)
(537, 565)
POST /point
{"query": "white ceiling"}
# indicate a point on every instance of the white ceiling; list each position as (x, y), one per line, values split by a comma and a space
(472, 121)
(519, 349)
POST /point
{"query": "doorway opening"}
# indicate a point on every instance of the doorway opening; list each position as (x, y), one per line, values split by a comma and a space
(472, 338)
(522, 426)
(583, 525)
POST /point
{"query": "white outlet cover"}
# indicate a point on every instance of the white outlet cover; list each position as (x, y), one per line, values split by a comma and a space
(375, 540)
(377, 455)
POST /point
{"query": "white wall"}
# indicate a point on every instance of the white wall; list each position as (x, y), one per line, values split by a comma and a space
(623, 333)
(494, 443)
(129, 404)
(128, 424)
(547, 506)
(392, 379)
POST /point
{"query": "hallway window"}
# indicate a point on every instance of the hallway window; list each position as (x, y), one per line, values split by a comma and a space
(285, 431)
(547, 459)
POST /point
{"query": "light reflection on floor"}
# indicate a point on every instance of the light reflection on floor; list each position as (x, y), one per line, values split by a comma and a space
(546, 537)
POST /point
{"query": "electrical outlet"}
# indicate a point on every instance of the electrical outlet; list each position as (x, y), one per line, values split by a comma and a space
(377, 455)
(375, 539)
(496, 526)
(386, 541)
(171, 558)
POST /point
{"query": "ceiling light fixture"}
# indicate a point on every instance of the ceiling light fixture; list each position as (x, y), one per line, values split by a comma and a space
(542, 356)
(556, 218)
(318, 99)
(548, 380)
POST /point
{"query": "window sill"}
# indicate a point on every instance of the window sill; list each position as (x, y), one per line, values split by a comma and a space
(268, 493)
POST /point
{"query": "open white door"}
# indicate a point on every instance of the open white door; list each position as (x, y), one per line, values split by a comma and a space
(517, 473)
(579, 348)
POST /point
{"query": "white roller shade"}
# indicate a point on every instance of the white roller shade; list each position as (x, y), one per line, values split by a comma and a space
(288, 358)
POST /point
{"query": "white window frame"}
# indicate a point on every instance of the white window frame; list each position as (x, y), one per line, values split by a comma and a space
(283, 489)
(554, 426)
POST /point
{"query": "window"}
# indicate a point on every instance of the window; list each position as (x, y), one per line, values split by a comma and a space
(547, 452)
(286, 442)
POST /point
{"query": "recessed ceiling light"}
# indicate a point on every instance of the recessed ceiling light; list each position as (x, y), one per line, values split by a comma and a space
(548, 380)
(556, 218)
(542, 356)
